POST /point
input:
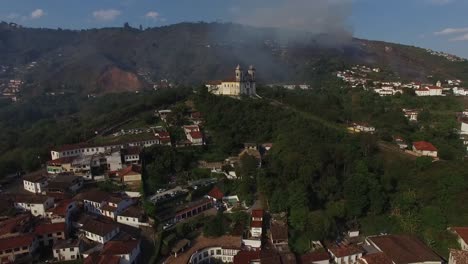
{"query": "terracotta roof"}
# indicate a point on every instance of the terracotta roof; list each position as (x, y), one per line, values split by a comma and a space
(375, 258)
(70, 147)
(404, 249)
(423, 145)
(15, 224)
(108, 208)
(62, 243)
(256, 224)
(133, 151)
(257, 213)
(192, 128)
(93, 195)
(343, 251)
(30, 198)
(132, 211)
(312, 257)
(35, 178)
(44, 229)
(462, 232)
(132, 169)
(245, 257)
(196, 134)
(279, 231)
(459, 256)
(16, 242)
(216, 193)
(98, 227)
(95, 258)
(120, 247)
(61, 207)
(216, 82)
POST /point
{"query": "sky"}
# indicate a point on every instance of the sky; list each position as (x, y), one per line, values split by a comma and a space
(441, 25)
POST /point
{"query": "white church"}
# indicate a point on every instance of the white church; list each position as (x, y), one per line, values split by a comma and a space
(242, 84)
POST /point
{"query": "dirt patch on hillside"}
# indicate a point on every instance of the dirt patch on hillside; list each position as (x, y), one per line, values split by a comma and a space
(114, 80)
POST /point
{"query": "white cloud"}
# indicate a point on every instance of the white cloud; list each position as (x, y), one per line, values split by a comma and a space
(106, 15)
(460, 38)
(153, 15)
(450, 31)
(38, 13)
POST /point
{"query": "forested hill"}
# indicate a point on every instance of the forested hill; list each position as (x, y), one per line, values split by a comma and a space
(122, 59)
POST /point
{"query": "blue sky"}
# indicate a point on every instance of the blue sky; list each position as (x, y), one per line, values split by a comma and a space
(437, 24)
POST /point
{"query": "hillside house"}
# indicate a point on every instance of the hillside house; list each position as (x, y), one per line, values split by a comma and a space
(62, 211)
(216, 195)
(65, 184)
(362, 127)
(403, 249)
(424, 148)
(375, 258)
(193, 134)
(128, 250)
(464, 126)
(256, 224)
(131, 155)
(35, 183)
(105, 204)
(130, 175)
(133, 216)
(345, 254)
(99, 231)
(411, 114)
(18, 248)
(429, 91)
(48, 234)
(67, 250)
(36, 204)
(60, 165)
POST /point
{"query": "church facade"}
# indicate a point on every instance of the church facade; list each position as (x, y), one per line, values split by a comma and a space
(242, 84)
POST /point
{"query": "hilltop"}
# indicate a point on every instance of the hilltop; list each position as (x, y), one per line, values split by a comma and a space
(110, 60)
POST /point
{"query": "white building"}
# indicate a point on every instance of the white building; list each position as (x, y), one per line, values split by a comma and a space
(362, 127)
(242, 84)
(193, 134)
(133, 216)
(35, 183)
(256, 225)
(128, 250)
(226, 255)
(66, 250)
(36, 204)
(411, 114)
(424, 148)
(102, 203)
(345, 254)
(464, 126)
(98, 231)
(429, 91)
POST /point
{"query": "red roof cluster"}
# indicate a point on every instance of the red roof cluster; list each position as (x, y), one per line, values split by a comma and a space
(245, 257)
(216, 193)
(257, 213)
(424, 146)
(61, 207)
(44, 229)
(196, 134)
(120, 247)
(16, 242)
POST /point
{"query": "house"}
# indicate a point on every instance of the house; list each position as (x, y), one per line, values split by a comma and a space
(256, 224)
(48, 234)
(362, 127)
(59, 165)
(411, 114)
(128, 250)
(99, 231)
(404, 249)
(279, 235)
(462, 236)
(164, 137)
(243, 84)
(424, 148)
(133, 216)
(375, 258)
(346, 254)
(36, 204)
(66, 250)
(247, 257)
(15, 226)
(458, 256)
(62, 211)
(35, 183)
(18, 248)
(318, 257)
(130, 175)
(216, 195)
(163, 114)
(400, 142)
(96, 258)
(65, 184)
(429, 91)
(102, 203)
(131, 155)
(193, 134)
(464, 126)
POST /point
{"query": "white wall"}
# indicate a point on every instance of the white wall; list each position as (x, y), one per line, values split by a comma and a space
(71, 253)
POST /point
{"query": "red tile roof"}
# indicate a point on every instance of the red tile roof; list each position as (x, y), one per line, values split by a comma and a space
(257, 213)
(16, 242)
(462, 232)
(343, 251)
(404, 249)
(132, 169)
(256, 224)
(44, 229)
(61, 207)
(217, 82)
(216, 193)
(459, 256)
(61, 161)
(376, 258)
(313, 257)
(424, 146)
(196, 134)
(95, 258)
(120, 247)
(14, 225)
(245, 257)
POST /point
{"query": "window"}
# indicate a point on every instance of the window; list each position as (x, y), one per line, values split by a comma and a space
(72, 249)
(218, 252)
(72, 256)
(57, 251)
(59, 233)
